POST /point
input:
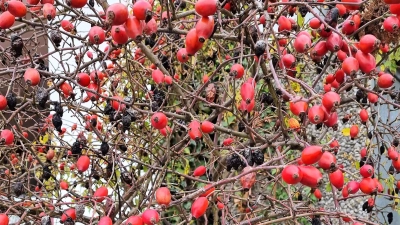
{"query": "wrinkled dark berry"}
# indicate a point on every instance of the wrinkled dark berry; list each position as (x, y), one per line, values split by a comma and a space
(57, 122)
(104, 148)
(316, 221)
(258, 157)
(11, 101)
(123, 147)
(108, 108)
(370, 135)
(126, 177)
(259, 48)
(303, 10)
(91, 3)
(55, 36)
(391, 170)
(396, 142)
(18, 189)
(126, 122)
(76, 148)
(360, 95)
(382, 149)
(17, 45)
(266, 98)
(332, 17)
(42, 96)
(58, 108)
(46, 173)
(390, 217)
(69, 221)
(233, 161)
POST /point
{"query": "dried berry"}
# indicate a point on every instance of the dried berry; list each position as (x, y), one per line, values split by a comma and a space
(258, 157)
(108, 109)
(104, 148)
(16, 45)
(57, 122)
(45, 220)
(42, 96)
(79, 210)
(395, 142)
(19, 189)
(58, 108)
(126, 122)
(332, 17)
(55, 36)
(233, 161)
(259, 48)
(11, 101)
(46, 173)
(123, 147)
(303, 10)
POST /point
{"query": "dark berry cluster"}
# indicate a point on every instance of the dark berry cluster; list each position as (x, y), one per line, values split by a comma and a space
(251, 156)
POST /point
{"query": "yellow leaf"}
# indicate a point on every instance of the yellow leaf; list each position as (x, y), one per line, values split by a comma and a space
(42, 157)
(43, 139)
(187, 167)
(286, 120)
(295, 86)
(346, 131)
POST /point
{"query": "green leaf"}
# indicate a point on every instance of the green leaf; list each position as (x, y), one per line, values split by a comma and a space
(300, 19)
(328, 187)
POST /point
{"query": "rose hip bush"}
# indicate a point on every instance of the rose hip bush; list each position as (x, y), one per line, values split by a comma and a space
(184, 112)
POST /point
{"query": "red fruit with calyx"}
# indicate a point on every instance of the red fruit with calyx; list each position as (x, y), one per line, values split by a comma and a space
(367, 170)
(330, 100)
(298, 107)
(4, 219)
(227, 141)
(392, 153)
(386, 80)
(105, 220)
(302, 43)
(96, 35)
(163, 196)
(3, 102)
(247, 181)
(368, 186)
(345, 192)
(142, 10)
(32, 77)
(69, 213)
(207, 127)
(237, 70)
(368, 43)
(366, 62)
(16, 8)
(331, 119)
(182, 55)
(199, 207)
(150, 27)
(315, 23)
(341, 55)
(100, 194)
(96, 89)
(316, 114)
(158, 76)
(83, 79)
(97, 75)
(83, 163)
(372, 98)
(206, 7)
(117, 14)
(67, 25)
(204, 28)
(194, 130)
(334, 42)
(49, 11)
(192, 42)
(353, 187)
(165, 131)
(311, 154)
(134, 220)
(150, 217)
(291, 174)
(76, 3)
(317, 193)
(354, 131)
(119, 34)
(349, 27)
(199, 171)
(6, 20)
(133, 28)
(247, 92)
(337, 179)
(7, 137)
(66, 89)
(391, 24)
(327, 161)
(117, 105)
(63, 185)
(284, 24)
(312, 177)
(320, 49)
(159, 120)
(288, 60)
(168, 80)
(364, 115)
(350, 65)
(209, 190)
